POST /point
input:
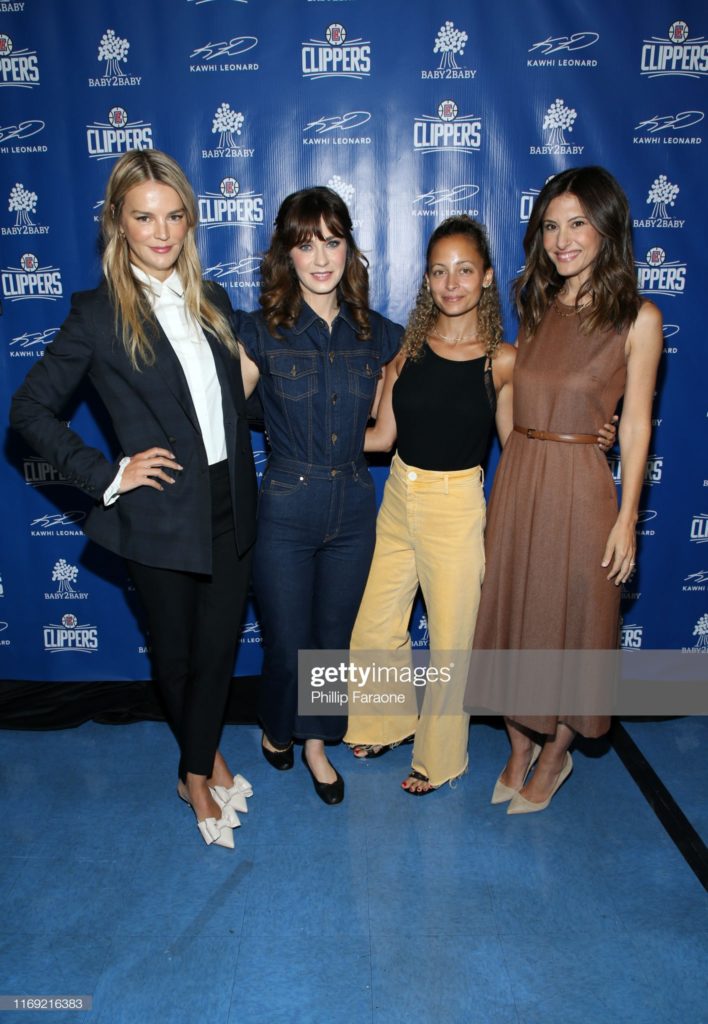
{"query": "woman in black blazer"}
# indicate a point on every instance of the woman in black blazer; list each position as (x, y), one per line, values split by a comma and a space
(179, 505)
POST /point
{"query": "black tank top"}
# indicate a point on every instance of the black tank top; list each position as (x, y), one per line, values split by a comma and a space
(444, 412)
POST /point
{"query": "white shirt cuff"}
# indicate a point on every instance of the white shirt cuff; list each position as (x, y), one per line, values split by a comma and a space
(112, 492)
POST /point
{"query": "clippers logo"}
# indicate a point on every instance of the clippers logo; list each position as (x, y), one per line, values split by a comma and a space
(230, 207)
(558, 120)
(700, 631)
(653, 471)
(219, 56)
(108, 140)
(459, 198)
(18, 68)
(323, 128)
(695, 582)
(57, 524)
(70, 636)
(30, 281)
(657, 129)
(40, 473)
(631, 637)
(657, 276)
(251, 633)
(646, 515)
(528, 198)
(65, 575)
(335, 56)
(676, 54)
(699, 529)
(227, 124)
(22, 203)
(113, 51)
(662, 195)
(563, 44)
(23, 130)
(241, 273)
(450, 131)
(449, 42)
(31, 343)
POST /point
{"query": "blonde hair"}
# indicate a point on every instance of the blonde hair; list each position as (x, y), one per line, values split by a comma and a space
(129, 296)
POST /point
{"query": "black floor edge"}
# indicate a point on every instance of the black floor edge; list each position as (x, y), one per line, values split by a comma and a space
(682, 833)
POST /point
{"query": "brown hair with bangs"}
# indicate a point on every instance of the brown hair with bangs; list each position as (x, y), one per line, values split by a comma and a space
(612, 285)
(299, 219)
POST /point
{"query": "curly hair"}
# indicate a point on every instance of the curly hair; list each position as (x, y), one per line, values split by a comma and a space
(133, 311)
(425, 313)
(299, 218)
(612, 284)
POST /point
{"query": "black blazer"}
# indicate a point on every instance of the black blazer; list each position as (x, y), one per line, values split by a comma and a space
(171, 528)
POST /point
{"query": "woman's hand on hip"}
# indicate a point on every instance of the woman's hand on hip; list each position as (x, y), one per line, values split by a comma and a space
(147, 469)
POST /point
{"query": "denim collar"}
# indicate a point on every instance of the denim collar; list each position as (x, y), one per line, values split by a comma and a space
(308, 317)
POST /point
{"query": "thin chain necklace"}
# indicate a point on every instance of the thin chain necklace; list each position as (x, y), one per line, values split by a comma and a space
(453, 341)
(575, 311)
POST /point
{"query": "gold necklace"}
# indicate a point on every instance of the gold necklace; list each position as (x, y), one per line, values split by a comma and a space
(453, 341)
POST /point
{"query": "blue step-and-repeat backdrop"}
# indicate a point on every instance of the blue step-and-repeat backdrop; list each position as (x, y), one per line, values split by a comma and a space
(412, 112)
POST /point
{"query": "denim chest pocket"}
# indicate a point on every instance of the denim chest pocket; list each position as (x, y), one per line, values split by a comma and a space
(294, 374)
(362, 374)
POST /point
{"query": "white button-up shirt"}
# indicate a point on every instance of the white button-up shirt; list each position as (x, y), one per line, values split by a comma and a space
(190, 346)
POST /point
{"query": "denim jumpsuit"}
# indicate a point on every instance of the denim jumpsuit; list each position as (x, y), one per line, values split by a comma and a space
(317, 508)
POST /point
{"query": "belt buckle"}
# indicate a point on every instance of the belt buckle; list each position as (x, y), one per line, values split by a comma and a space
(530, 433)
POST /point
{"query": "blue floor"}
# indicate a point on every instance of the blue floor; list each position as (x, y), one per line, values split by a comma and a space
(387, 908)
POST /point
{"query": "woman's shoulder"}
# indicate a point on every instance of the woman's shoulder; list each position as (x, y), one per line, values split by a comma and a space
(505, 355)
(384, 323)
(216, 293)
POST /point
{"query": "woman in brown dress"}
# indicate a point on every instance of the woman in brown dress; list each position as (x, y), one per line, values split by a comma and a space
(558, 548)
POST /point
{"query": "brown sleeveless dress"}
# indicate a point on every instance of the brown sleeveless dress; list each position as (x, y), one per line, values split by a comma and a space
(553, 505)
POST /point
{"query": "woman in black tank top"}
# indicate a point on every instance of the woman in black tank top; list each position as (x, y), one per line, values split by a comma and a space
(440, 398)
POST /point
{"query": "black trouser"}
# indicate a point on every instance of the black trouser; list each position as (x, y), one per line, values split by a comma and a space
(194, 623)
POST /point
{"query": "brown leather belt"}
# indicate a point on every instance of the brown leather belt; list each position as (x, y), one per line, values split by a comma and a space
(547, 435)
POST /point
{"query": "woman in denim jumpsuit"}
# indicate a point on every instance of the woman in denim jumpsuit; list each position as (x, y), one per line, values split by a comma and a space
(317, 351)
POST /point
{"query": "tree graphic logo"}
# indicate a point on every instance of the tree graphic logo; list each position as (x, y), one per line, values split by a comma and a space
(229, 188)
(559, 119)
(448, 42)
(22, 202)
(701, 631)
(29, 262)
(65, 575)
(336, 34)
(656, 256)
(678, 32)
(342, 188)
(662, 194)
(227, 122)
(113, 50)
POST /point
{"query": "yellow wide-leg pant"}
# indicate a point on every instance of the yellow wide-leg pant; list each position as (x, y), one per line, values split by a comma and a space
(429, 532)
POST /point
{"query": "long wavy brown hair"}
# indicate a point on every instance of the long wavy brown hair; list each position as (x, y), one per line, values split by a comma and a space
(425, 313)
(299, 218)
(612, 285)
(134, 316)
